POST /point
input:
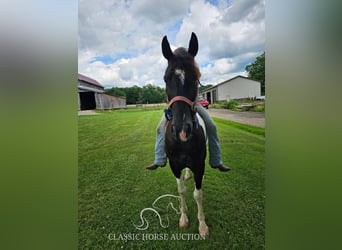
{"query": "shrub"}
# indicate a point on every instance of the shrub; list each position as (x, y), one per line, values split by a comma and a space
(216, 106)
(231, 104)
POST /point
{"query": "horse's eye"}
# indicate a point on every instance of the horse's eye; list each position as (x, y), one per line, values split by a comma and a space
(167, 78)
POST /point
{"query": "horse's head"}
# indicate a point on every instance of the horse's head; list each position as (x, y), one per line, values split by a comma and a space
(181, 78)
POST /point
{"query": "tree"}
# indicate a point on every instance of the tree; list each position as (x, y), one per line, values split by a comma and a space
(133, 94)
(147, 94)
(256, 71)
(115, 91)
(152, 94)
(202, 88)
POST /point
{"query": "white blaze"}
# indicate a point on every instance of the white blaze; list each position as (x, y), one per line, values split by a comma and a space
(181, 74)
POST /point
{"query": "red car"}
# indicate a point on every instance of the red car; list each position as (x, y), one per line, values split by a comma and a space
(204, 103)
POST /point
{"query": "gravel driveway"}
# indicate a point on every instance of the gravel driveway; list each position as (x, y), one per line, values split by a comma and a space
(250, 118)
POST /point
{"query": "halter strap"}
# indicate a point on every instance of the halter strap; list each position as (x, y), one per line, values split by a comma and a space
(182, 99)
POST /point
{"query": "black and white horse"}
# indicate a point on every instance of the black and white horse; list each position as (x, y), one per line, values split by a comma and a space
(185, 143)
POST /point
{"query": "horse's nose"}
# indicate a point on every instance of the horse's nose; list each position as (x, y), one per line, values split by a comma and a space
(185, 132)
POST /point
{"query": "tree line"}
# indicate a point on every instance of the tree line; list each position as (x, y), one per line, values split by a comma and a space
(147, 94)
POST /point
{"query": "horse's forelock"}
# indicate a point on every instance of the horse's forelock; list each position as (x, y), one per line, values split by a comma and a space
(181, 52)
(183, 60)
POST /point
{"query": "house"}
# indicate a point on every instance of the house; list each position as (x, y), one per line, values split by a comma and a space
(239, 87)
(91, 96)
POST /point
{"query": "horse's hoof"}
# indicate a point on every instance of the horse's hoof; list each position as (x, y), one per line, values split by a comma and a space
(203, 230)
(183, 221)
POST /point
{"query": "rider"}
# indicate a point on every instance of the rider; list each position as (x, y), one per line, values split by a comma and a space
(214, 144)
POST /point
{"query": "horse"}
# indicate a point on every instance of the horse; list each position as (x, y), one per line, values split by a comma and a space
(185, 143)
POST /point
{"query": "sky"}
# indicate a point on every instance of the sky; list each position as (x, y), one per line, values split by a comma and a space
(120, 40)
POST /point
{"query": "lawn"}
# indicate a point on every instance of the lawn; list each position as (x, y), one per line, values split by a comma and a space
(114, 186)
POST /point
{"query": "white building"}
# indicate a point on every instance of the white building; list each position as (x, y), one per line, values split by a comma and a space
(238, 87)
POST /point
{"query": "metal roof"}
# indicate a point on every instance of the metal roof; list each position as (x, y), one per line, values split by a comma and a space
(88, 80)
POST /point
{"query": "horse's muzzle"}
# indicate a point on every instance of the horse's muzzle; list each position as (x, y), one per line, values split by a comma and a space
(182, 132)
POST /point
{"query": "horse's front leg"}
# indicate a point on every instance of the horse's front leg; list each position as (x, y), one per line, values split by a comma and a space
(198, 196)
(183, 221)
(203, 228)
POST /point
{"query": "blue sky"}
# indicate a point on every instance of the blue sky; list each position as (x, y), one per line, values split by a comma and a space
(213, 2)
(172, 29)
(110, 59)
(119, 41)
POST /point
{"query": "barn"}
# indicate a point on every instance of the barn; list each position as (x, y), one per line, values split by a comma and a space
(236, 88)
(91, 96)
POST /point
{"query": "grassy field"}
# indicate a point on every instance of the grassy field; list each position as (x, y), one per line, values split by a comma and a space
(114, 186)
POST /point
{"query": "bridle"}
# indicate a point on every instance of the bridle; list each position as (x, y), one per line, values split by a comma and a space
(180, 98)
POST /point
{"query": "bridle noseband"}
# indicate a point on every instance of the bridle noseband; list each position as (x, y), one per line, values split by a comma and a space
(179, 98)
(168, 112)
(182, 99)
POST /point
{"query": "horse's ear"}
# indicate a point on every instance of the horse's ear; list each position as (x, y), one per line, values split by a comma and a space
(193, 45)
(167, 52)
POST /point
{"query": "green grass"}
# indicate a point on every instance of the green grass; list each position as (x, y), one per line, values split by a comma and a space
(248, 128)
(115, 147)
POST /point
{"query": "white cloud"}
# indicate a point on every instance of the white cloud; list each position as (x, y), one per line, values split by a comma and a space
(130, 32)
(159, 11)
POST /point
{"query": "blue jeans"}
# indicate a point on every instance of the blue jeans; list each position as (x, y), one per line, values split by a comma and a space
(214, 143)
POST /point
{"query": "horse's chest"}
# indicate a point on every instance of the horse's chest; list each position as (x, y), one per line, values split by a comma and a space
(181, 151)
(179, 156)
(185, 153)
(176, 148)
